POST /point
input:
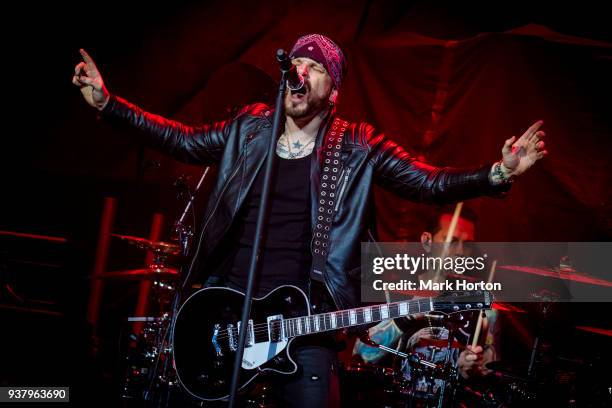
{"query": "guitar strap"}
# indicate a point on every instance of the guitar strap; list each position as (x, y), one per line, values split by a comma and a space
(328, 184)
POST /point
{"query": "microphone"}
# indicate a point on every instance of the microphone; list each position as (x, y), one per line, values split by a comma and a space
(295, 81)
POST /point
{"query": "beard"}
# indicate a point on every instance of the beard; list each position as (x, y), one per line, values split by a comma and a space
(309, 105)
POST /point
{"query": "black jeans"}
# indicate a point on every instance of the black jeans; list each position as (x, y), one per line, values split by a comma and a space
(316, 383)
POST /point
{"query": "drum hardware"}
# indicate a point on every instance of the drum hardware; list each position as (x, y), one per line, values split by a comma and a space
(148, 352)
(158, 247)
(431, 383)
(157, 273)
(150, 375)
(365, 339)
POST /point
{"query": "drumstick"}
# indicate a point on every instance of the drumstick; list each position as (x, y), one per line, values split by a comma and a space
(450, 233)
(481, 313)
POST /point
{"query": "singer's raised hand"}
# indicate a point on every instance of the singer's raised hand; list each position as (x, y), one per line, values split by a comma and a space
(88, 79)
(519, 155)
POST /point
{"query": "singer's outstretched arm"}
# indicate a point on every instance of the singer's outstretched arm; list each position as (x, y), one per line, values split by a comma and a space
(197, 145)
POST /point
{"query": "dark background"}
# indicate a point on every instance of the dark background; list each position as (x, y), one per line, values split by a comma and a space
(450, 81)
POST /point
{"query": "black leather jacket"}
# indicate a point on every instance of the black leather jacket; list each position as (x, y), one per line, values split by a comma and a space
(239, 147)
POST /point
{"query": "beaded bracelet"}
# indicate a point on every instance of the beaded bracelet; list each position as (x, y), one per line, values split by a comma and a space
(501, 174)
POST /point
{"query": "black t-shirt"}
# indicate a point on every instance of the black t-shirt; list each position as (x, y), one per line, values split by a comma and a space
(286, 256)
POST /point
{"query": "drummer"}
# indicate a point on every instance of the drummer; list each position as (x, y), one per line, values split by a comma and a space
(425, 335)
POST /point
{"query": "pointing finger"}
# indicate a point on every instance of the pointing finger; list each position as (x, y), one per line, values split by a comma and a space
(90, 62)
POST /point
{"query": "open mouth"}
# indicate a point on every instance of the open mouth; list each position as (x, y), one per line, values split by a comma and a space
(298, 96)
(300, 93)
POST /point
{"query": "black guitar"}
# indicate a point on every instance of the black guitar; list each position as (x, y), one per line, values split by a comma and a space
(206, 332)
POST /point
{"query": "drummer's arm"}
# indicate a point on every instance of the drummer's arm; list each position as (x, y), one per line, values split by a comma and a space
(385, 333)
(472, 360)
(492, 350)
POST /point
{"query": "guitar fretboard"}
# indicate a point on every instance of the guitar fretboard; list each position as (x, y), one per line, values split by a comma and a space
(300, 326)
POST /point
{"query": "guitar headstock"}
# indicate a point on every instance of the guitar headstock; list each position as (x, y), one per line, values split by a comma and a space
(462, 301)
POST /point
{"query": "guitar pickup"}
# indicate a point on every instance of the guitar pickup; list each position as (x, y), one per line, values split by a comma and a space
(250, 340)
(276, 328)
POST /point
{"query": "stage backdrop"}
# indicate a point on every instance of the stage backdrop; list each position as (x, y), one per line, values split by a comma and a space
(450, 84)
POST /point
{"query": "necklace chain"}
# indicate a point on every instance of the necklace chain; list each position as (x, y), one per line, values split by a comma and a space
(299, 152)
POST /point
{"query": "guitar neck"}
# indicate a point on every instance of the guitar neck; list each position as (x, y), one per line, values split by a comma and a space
(304, 325)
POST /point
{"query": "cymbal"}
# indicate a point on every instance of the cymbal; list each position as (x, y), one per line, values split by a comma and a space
(563, 274)
(596, 330)
(162, 273)
(507, 307)
(143, 243)
(468, 278)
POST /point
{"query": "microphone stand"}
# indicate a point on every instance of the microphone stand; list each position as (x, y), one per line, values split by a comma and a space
(262, 218)
(183, 232)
